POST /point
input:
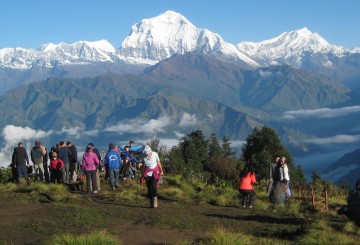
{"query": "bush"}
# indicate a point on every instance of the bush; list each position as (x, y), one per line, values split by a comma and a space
(5, 175)
(95, 238)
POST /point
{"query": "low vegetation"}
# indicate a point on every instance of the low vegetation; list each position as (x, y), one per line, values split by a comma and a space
(198, 204)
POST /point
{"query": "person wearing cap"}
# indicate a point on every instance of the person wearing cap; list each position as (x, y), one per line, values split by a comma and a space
(37, 157)
(113, 165)
(89, 165)
(56, 165)
(151, 174)
(20, 160)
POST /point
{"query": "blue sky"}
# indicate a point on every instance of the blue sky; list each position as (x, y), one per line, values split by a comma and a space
(31, 23)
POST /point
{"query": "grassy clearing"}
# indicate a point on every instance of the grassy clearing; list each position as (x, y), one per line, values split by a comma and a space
(184, 206)
(320, 232)
(94, 238)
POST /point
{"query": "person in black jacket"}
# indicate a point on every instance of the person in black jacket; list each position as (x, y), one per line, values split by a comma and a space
(65, 154)
(20, 160)
(73, 161)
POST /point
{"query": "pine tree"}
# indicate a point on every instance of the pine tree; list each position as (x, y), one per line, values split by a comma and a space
(261, 146)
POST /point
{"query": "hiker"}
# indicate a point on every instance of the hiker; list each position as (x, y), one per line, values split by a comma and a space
(281, 179)
(133, 147)
(74, 165)
(247, 180)
(272, 173)
(45, 163)
(113, 164)
(99, 166)
(20, 160)
(353, 203)
(129, 167)
(56, 166)
(64, 154)
(151, 174)
(37, 157)
(89, 165)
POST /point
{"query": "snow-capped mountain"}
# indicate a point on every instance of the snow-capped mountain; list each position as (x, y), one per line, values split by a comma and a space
(290, 47)
(158, 38)
(47, 55)
(155, 39)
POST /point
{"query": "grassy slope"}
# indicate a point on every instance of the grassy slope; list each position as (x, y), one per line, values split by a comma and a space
(188, 213)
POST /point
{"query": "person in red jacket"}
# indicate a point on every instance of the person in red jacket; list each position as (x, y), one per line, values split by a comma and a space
(247, 179)
(56, 165)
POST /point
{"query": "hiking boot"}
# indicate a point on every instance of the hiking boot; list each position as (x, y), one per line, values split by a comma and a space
(151, 203)
(155, 202)
(250, 206)
(95, 192)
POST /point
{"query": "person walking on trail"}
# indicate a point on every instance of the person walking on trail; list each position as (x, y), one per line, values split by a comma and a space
(65, 154)
(113, 165)
(272, 174)
(151, 174)
(247, 180)
(89, 165)
(20, 160)
(56, 165)
(37, 157)
(281, 179)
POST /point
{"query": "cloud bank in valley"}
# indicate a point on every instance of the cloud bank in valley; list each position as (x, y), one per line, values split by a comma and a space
(321, 113)
(337, 139)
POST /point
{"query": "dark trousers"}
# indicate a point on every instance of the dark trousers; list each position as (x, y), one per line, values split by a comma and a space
(245, 195)
(90, 179)
(46, 172)
(21, 169)
(151, 184)
(55, 175)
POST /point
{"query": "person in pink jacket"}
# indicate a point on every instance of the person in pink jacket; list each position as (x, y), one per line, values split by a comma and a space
(89, 165)
(247, 179)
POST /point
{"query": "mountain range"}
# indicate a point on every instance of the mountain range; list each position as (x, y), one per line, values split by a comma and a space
(159, 38)
(177, 76)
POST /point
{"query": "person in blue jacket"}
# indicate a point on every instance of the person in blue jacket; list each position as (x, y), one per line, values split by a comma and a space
(133, 147)
(113, 163)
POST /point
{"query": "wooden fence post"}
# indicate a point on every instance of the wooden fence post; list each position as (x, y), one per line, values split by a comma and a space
(313, 197)
(326, 201)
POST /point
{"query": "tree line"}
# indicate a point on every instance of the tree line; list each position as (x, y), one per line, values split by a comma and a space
(213, 161)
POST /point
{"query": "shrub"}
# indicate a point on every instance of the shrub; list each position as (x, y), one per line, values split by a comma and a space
(95, 238)
(5, 175)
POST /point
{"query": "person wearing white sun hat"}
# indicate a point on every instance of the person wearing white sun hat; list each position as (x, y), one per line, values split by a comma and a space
(151, 174)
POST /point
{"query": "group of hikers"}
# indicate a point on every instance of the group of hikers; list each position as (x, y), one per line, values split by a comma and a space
(64, 167)
(279, 183)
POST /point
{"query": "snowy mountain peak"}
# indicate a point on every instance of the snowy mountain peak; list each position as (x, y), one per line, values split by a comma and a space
(158, 38)
(289, 48)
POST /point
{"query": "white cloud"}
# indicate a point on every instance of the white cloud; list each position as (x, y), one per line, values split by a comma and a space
(148, 127)
(337, 139)
(187, 120)
(237, 143)
(178, 134)
(14, 134)
(321, 113)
